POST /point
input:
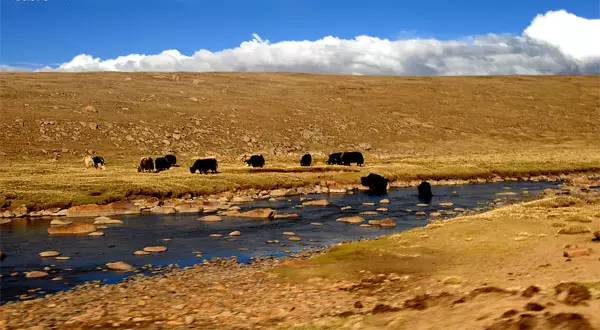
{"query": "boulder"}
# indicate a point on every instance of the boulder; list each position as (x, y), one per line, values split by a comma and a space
(163, 210)
(596, 236)
(279, 193)
(288, 233)
(384, 201)
(316, 202)
(49, 254)
(72, 229)
(59, 222)
(352, 219)
(387, 222)
(210, 218)
(446, 204)
(103, 220)
(62, 258)
(95, 210)
(572, 253)
(235, 233)
(263, 213)
(188, 208)
(294, 238)
(35, 274)
(96, 233)
(120, 266)
(286, 216)
(574, 230)
(5, 221)
(155, 249)
(141, 253)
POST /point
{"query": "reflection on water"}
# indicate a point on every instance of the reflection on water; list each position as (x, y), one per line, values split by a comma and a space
(184, 236)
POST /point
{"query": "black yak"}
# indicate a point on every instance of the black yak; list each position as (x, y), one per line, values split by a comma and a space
(352, 157)
(377, 184)
(335, 159)
(94, 161)
(161, 164)
(425, 194)
(172, 160)
(306, 160)
(255, 161)
(204, 165)
(146, 165)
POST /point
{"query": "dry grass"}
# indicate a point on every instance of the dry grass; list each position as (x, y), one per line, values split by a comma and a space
(409, 128)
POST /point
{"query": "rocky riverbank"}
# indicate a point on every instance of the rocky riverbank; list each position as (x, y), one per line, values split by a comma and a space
(532, 265)
(223, 201)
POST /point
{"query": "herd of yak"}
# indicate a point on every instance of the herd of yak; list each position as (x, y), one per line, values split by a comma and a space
(376, 183)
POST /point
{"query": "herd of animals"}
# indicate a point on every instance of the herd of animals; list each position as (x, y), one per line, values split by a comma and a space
(376, 183)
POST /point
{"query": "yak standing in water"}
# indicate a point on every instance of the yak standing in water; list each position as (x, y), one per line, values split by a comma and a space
(377, 184)
(424, 190)
(204, 165)
(306, 160)
(255, 161)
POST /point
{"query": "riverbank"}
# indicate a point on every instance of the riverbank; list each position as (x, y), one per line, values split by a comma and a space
(50, 188)
(498, 269)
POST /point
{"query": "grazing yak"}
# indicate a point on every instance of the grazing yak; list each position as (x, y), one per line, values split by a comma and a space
(161, 164)
(255, 161)
(346, 158)
(335, 159)
(306, 160)
(146, 164)
(172, 160)
(204, 165)
(94, 161)
(425, 194)
(377, 184)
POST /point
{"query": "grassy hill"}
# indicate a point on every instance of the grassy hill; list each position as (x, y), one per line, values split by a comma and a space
(408, 128)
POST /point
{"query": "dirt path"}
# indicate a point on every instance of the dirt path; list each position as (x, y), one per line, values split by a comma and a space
(496, 270)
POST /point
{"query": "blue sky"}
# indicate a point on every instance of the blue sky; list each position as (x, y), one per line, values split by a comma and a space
(37, 32)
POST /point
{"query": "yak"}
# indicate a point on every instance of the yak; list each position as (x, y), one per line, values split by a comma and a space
(335, 159)
(172, 160)
(204, 165)
(94, 161)
(377, 184)
(424, 190)
(352, 157)
(146, 165)
(255, 161)
(161, 164)
(306, 160)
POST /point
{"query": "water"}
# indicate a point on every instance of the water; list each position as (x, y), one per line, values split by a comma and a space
(23, 239)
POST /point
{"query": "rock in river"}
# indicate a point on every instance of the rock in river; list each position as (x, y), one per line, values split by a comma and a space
(353, 219)
(154, 249)
(119, 266)
(316, 202)
(235, 233)
(49, 254)
(286, 216)
(107, 221)
(262, 213)
(72, 229)
(59, 222)
(210, 218)
(94, 210)
(386, 223)
(35, 274)
(96, 233)
(141, 253)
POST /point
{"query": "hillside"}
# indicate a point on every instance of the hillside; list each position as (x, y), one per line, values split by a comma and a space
(127, 115)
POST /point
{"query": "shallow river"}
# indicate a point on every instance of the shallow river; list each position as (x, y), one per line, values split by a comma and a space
(184, 235)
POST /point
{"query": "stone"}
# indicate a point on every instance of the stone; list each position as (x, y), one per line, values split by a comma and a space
(381, 209)
(369, 213)
(288, 233)
(210, 218)
(35, 274)
(286, 216)
(59, 222)
(141, 253)
(72, 229)
(216, 235)
(384, 201)
(5, 221)
(572, 293)
(49, 254)
(188, 208)
(316, 223)
(420, 213)
(103, 220)
(62, 258)
(422, 205)
(446, 204)
(435, 214)
(263, 213)
(96, 233)
(573, 230)
(155, 249)
(387, 222)
(346, 208)
(235, 233)
(95, 210)
(294, 238)
(351, 220)
(163, 210)
(596, 235)
(316, 202)
(120, 266)
(279, 193)
(452, 280)
(576, 253)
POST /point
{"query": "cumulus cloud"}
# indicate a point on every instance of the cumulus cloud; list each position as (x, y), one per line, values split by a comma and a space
(539, 50)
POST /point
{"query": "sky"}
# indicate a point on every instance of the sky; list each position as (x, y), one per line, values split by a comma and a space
(333, 36)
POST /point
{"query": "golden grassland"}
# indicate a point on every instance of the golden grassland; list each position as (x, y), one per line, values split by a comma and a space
(408, 128)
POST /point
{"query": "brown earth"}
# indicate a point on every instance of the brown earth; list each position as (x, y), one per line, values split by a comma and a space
(503, 269)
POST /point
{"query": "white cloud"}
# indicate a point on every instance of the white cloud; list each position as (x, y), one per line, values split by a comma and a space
(538, 51)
